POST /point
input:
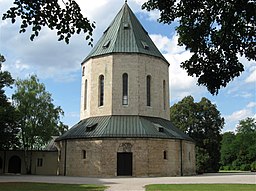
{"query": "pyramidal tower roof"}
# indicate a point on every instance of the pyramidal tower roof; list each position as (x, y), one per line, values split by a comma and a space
(125, 35)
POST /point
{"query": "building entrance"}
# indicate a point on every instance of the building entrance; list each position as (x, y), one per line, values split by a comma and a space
(124, 164)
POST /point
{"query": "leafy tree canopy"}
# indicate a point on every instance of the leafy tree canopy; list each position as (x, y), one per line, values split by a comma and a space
(246, 126)
(40, 118)
(238, 150)
(37, 14)
(202, 122)
(216, 32)
(8, 116)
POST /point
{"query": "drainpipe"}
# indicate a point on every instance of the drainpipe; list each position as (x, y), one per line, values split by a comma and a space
(65, 158)
(181, 159)
(4, 161)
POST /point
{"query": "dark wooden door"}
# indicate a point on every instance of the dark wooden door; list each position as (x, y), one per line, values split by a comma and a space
(124, 164)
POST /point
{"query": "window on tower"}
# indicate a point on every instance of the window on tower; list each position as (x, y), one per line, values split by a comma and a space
(164, 94)
(148, 90)
(125, 89)
(101, 90)
(85, 95)
(83, 71)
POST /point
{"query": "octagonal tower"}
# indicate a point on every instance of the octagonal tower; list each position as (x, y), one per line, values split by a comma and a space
(124, 127)
(136, 79)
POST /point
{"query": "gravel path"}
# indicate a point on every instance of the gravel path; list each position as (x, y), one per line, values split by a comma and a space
(137, 184)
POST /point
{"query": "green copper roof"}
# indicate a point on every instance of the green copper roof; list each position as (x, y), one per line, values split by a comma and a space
(124, 126)
(125, 35)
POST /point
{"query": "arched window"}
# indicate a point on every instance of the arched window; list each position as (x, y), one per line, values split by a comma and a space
(125, 89)
(83, 71)
(101, 90)
(85, 95)
(164, 94)
(148, 90)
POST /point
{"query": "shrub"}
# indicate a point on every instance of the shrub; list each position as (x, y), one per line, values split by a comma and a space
(253, 166)
(245, 167)
(226, 168)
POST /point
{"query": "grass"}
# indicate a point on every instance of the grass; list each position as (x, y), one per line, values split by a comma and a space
(28, 186)
(201, 187)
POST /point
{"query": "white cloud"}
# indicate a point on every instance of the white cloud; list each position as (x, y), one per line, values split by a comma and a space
(47, 57)
(251, 105)
(181, 84)
(252, 77)
(232, 120)
(239, 115)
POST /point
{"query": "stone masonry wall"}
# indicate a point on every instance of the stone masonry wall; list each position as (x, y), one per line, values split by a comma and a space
(148, 157)
(137, 67)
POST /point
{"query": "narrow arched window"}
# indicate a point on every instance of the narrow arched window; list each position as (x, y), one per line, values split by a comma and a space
(148, 90)
(164, 94)
(83, 71)
(101, 90)
(85, 95)
(125, 89)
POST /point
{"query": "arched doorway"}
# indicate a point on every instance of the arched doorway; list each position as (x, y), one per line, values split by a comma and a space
(14, 164)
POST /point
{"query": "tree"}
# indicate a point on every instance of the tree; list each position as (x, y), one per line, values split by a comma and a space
(247, 125)
(228, 150)
(215, 32)
(238, 150)
(202, 122)
(8, 119)
(39, 117)
(66, 21)
(245, 144)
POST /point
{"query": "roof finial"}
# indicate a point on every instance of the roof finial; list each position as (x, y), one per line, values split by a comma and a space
(125, 1)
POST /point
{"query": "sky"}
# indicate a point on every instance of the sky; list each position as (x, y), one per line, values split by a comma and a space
(58, 65)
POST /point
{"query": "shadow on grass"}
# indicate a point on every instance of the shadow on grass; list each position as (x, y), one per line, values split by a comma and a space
(29, 186)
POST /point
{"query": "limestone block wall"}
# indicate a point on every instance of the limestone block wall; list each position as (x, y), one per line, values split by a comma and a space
(49, 163)
(92, 70)
(138, 67)
(189, 158)
(148, 157)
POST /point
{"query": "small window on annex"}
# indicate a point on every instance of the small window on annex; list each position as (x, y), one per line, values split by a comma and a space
(85, 95)
(165, 155)
(125, 89)
(84, 154)
(148, 90)
(101, 90)
(39, 162)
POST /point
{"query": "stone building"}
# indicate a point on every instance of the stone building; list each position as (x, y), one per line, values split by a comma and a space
(43, 162)
(124, 128)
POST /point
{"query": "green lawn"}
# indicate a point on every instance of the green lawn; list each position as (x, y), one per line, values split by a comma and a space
(25, 186)
(201, 187)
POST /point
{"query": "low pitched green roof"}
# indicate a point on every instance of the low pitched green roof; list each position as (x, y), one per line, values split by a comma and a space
(124, 127)
(125, 35)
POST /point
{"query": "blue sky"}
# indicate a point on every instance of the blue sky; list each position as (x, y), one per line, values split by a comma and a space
(58, 65)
